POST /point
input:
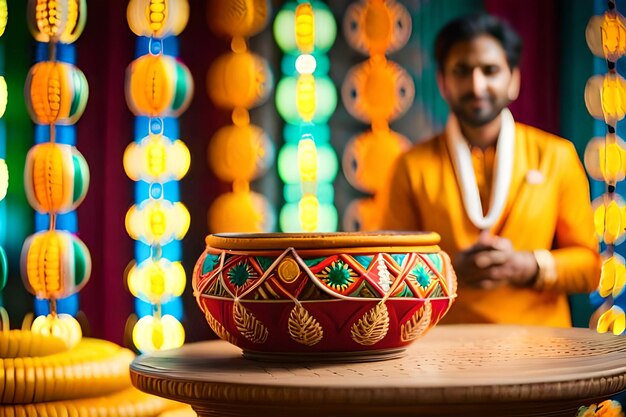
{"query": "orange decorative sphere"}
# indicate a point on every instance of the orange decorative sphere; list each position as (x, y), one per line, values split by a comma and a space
(361, 215)
(239, 80)
(158, 85)
(238, 17)
(377, 27)
(56, 93)
(240, 153)
(377, 90)
(55, 264)
(369, 157)
(241, 212)
(56, 177)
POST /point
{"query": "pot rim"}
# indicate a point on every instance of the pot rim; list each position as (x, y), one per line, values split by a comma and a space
(335, 240)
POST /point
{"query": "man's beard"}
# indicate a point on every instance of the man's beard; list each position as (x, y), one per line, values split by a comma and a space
(478, 117)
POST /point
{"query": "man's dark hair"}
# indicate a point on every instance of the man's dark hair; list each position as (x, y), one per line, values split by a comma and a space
(468, 27)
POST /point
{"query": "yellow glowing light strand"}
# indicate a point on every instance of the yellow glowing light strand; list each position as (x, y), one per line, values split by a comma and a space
(4, 14)
(157, 159)
(4, 98)
(609, 215)
(306, 103)
(4, 172)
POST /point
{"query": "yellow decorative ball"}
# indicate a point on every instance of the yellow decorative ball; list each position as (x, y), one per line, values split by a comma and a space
(4, 95)
(4, 14)
(157, 221)
(605, 97)
(156, 282)
(606, 161)
(157, 18)
(613, 277)
(151, 334)
(59, 20)
(239, 80)
(62, 326)
(613, 320)
(4, 179)
(606, 35)
(609, 218)
(156, 158)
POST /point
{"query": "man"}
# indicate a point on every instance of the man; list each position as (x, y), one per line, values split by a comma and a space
(511, 202)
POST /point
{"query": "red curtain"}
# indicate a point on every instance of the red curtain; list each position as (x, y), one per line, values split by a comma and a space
(537, 21)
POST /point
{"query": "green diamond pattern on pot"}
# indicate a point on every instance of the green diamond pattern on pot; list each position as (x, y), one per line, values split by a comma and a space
(209, 263)
(435, 258)
(313, 261)
(239, 274)
(422, 275)
(337, 275)
(264, 262)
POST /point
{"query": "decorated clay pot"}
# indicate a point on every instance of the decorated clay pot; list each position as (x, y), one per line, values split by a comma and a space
(333, 296)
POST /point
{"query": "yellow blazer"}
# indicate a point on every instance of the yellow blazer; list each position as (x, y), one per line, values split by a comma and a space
(550, 210)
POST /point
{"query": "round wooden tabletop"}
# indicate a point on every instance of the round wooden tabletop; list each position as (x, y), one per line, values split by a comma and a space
(454, 370)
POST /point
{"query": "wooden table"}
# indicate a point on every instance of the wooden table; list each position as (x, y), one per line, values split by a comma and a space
(454, 370)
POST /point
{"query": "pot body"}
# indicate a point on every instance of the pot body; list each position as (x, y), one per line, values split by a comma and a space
(334, 294)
